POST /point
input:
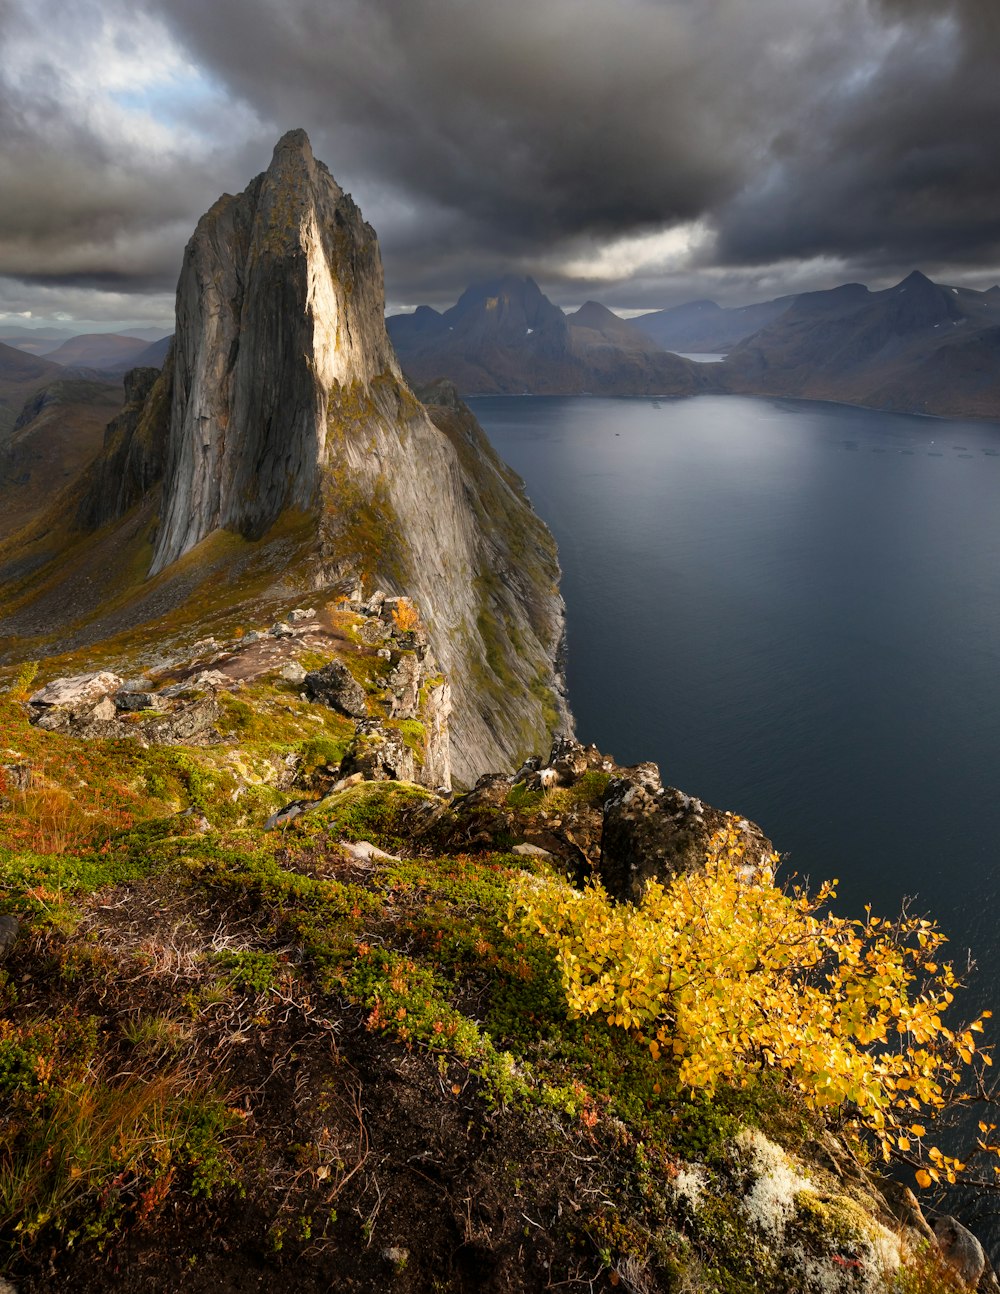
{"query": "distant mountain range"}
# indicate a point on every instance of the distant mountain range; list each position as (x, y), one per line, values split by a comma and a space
(708, 327)
(917, 347)
(108, 352)
(51, 425)
(505, 336)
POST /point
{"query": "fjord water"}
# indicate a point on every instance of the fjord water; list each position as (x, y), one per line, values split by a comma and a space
(794, 608)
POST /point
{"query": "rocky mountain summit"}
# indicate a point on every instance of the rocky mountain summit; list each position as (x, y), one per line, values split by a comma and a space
(281, 419)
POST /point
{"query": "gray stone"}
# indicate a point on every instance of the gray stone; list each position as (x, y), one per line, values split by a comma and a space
(373, 607)
(334, 685)
(373, 632)
(77, 690)
(10, 928)
(301, 614)
(286, 815)
(959, 1248)
(380, 754)
(293, 672)
(404, 687)
(363, 851)
(531, 851)
(211, 679)
(16, 777)
(282, 630)
(651, 831)
(104, 710)
(130, 702)
(193, 724)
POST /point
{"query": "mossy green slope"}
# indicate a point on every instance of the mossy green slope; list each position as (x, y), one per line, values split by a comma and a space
(231, 1055)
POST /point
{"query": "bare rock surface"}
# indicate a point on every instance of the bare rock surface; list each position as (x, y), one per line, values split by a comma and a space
(334, 685)
(77, 690)
(960, 1248)
(657, 832)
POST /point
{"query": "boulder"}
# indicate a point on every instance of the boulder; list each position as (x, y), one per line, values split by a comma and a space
(293, 672)
(212, 678)
(10, 928)
(373, 607)
(77, 691)
(656, 832)
(286, 815)
(373, 632)
(363, 851)
(131, 702)
(15, 777)
(531, 851)
(300, 615)
(335, 686)
(192, 724)
(380, 754)
(959, 1248)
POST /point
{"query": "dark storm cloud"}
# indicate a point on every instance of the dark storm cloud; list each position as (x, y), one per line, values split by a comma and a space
(857, 132)
(801, 140)
(94, 193)
(898, 166)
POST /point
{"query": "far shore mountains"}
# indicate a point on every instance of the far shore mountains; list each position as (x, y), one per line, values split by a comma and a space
(917, 347)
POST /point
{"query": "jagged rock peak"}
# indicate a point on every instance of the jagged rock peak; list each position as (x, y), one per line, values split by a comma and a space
(280, 300)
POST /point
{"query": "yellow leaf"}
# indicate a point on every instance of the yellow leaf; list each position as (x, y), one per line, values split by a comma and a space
(923, 1178)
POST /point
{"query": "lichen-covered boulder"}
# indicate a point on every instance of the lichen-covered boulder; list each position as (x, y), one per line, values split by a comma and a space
(655, 832)
(334, 685)
(380, 754)
(77, 690)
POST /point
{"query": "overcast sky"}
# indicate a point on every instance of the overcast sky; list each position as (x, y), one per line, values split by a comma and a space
(643, 152)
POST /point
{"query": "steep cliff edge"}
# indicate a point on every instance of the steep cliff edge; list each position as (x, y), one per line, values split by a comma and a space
(288, 412)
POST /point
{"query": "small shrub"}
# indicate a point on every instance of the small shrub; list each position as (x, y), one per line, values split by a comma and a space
(405, 617)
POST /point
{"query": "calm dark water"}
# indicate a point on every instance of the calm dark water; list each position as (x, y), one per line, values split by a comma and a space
(794, 608)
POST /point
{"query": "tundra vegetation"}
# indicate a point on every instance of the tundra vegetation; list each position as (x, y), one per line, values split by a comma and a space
(449, 1053)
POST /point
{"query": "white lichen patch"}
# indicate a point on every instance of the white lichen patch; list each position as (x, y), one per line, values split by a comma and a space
(770, 1204)
(833, 1244)
(689, 1186)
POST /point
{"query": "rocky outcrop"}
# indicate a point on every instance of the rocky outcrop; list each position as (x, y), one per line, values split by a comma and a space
(334, 685)
(150, 718)
(657, 832)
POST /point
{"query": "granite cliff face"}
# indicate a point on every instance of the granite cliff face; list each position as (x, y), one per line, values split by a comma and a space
(286, 402)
